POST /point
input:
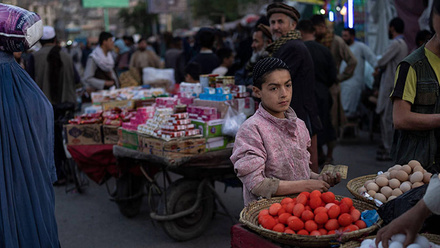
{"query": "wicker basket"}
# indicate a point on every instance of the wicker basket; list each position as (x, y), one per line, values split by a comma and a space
(356, 243)
(354, 184)
(249, 217)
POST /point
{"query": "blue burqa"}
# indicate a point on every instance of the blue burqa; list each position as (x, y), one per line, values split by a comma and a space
(27, 170)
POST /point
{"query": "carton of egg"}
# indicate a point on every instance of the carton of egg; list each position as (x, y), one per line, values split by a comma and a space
(397, 241)
(397, 180)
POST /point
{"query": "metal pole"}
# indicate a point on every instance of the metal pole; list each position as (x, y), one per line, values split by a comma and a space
(106, 20)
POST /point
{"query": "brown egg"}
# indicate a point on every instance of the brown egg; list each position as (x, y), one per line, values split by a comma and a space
(397, 167)
(405, 186)
(396, 192)
(372, 193)
(368, 182)
(393, 174)
(427, 177)
(380, 197)
(373, 186)
(362, 190)
(392, 197)
(394, 183)
(381, 181)
(407, 169)
(416, 177)
(417, 184)
(418, 168)
(386, 191)
(414, 163)
(402, 175)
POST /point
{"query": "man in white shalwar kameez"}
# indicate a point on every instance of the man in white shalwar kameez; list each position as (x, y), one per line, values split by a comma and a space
(351, 89)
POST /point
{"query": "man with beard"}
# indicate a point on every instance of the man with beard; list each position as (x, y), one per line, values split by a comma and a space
(351, 88)
(341, 52)
(289, 47)
(144, 57)
(396, 51)
(261, 38)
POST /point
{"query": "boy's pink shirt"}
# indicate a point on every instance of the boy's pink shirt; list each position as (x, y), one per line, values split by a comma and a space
(269, 147)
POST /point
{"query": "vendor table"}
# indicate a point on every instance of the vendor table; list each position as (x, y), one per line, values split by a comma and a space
(186, 205)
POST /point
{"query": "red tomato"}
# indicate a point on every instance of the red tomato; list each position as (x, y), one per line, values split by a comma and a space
(328, 197)
(302, 198)
(321, 218)
(345, 219)
(315, 202)
(332, 224)
(344, 208)
(278, 228)
(334, 212)
(347, 201)
(331, 232)
(298, 210)
(307, 215)
(274, 208)
(320, 210)
(286, 200)
(315, 233)
(315, 193)
(350, 228)
(261, 214)
(361, 224)
(268, 222)
(311, 225)
(281, 211)
(289, 207)
(283, 218)
(323, 231)
(295, 224)
(288, 230)
(302, 232)
(355, 214)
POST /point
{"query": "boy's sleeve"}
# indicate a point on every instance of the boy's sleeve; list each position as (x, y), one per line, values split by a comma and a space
(249, 156)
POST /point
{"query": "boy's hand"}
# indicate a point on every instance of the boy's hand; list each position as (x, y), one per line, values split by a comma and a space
(330, 178)
(320, 185)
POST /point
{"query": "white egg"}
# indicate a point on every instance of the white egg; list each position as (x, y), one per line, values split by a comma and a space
(413, 245)
(367, 242)
(399, 238)
(422, 241)
(395, 244)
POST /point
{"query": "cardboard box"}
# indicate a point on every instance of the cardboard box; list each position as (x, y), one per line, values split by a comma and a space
(128, 139)
(221, 107)
(219, 143)
(125, 104)
(209, 129)
(110, 134)
(244, 105)
(170, 148)
(88, 134)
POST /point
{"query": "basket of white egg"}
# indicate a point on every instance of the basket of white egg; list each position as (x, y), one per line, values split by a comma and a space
(424, 240)
(390, 184)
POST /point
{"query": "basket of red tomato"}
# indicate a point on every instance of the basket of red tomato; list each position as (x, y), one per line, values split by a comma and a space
(309, 219)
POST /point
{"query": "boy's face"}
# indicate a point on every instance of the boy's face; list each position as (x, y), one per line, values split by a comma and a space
(275, 92)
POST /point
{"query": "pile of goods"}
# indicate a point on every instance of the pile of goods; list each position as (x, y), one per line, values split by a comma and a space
(396, 181)
(397, 242)
(312, 214)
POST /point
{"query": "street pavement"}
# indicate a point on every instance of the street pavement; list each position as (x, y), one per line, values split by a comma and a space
(91, 220)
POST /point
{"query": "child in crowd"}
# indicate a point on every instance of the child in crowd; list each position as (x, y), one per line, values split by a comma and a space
(192, 72)
(270, 154)
(226, 57)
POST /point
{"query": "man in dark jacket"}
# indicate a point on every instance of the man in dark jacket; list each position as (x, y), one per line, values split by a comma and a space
(289, 47)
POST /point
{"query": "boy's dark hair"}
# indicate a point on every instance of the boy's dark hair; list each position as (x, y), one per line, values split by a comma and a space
(142, 39)
(351, 31)
(224, 53)
(206, 37)
(306, 26)
(264, 67)
(128, 38)
(104, 36)
(194, 70)
(398, 25)
(317, 20)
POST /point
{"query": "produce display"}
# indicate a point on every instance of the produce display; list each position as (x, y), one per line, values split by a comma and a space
(312, 214)
(397, 241)
(395, 181)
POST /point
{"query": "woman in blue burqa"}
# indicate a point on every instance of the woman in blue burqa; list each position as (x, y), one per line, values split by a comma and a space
(27, 170)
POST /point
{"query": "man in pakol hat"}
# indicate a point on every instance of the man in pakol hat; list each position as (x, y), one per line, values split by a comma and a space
(289, 47)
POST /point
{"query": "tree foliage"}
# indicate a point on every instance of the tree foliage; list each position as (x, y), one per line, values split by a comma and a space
(139, 18)
(214, 9)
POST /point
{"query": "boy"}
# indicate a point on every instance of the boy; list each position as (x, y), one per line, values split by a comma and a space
(226, 57)
(270, 154)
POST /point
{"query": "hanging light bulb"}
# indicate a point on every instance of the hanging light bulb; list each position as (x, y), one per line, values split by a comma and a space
(344, 11)
(322, 11)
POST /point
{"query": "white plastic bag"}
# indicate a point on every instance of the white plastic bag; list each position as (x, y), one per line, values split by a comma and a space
(233, 121)
(150, 74)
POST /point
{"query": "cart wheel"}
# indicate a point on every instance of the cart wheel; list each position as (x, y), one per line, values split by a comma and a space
(181, 195)
(129, 194)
